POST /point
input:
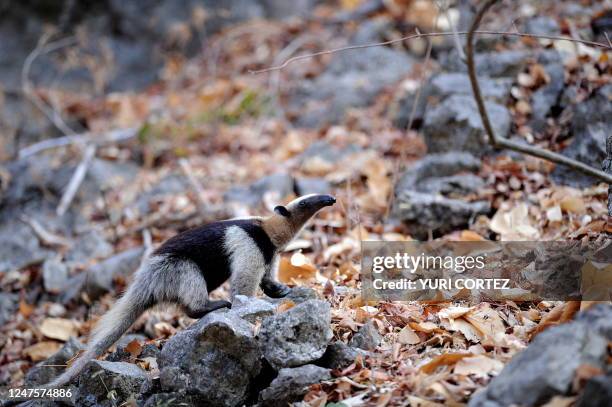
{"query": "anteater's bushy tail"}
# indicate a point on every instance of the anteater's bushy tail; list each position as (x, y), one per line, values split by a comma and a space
(109, 329)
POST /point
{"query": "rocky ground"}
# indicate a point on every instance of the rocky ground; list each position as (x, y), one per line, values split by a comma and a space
(395, 135)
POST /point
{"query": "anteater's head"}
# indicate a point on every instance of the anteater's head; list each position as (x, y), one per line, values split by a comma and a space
(289, 219)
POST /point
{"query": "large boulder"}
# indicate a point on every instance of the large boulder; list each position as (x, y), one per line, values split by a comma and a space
(443, 85)
(548, 366)
(352, 79)
(591, 125)
(215, 359)
(455, 124)
(429, 196)
(297, 336)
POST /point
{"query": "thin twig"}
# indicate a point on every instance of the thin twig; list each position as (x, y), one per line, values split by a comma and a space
(501, 142)
(443, 9)
(76, 180)
(420, 35)
(46, 237)
(28, 88)
(98, 139)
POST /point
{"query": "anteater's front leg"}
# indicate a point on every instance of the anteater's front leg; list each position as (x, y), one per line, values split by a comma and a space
(270, 286)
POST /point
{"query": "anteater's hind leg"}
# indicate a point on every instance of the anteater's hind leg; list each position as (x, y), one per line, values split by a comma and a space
(192, 292)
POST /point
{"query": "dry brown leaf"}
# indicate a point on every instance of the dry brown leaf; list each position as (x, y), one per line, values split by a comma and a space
(514, 224)
(58, 328)
(285, 306)
(289, 273)
(134, 348)
(479, 366)
(25, 309)
(41, 351)
(445, 359)
(470, 236)
(560, 401)
(407, 336)
(427, 327)
(488, 323)
(573, 204)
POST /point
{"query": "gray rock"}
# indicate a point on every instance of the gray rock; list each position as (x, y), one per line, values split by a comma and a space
(291, 384)
(55, 276)
(352, 79)
(424, 212)
(305, 186)
(428, 194)
(169, 185)
(8, 305)
(443, 85)
(99, 377)
(338, 355)
(437, 166)
(547, 367)
(173, 400)
(497, 64)
(297, 336)
(88, 246)
(252, 309)
(367, 338)
(220, 345)
(19, 246)
(547, 96)
(597, 392)
(322, 150)
(591, 124)
(542, 25)
(252, 195)
(48, 369)
(98, 279)
(455, 124)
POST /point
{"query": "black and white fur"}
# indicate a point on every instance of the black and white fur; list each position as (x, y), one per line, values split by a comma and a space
(188, 266)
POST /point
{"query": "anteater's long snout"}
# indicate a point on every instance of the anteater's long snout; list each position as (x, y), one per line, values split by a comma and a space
(325, 200)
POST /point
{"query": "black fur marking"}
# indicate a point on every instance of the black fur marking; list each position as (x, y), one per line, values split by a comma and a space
(204, 246)
(281, 210)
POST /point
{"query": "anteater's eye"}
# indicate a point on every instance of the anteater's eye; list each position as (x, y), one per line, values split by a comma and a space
(302, 204)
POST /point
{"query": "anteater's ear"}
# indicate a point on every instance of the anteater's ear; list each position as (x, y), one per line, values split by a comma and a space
(281, 210)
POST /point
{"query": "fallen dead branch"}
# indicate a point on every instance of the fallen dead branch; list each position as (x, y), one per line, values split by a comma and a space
(98, 139)
(500, 142)
(46, 237)
(76, 180)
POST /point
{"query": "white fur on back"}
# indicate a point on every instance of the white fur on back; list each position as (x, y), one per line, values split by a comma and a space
(247, 262)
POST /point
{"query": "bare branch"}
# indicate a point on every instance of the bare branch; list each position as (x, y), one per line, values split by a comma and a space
(420, 35)
(28, 88)
(46, 237)
(84, 138)
(500, 142)
(76, 180)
